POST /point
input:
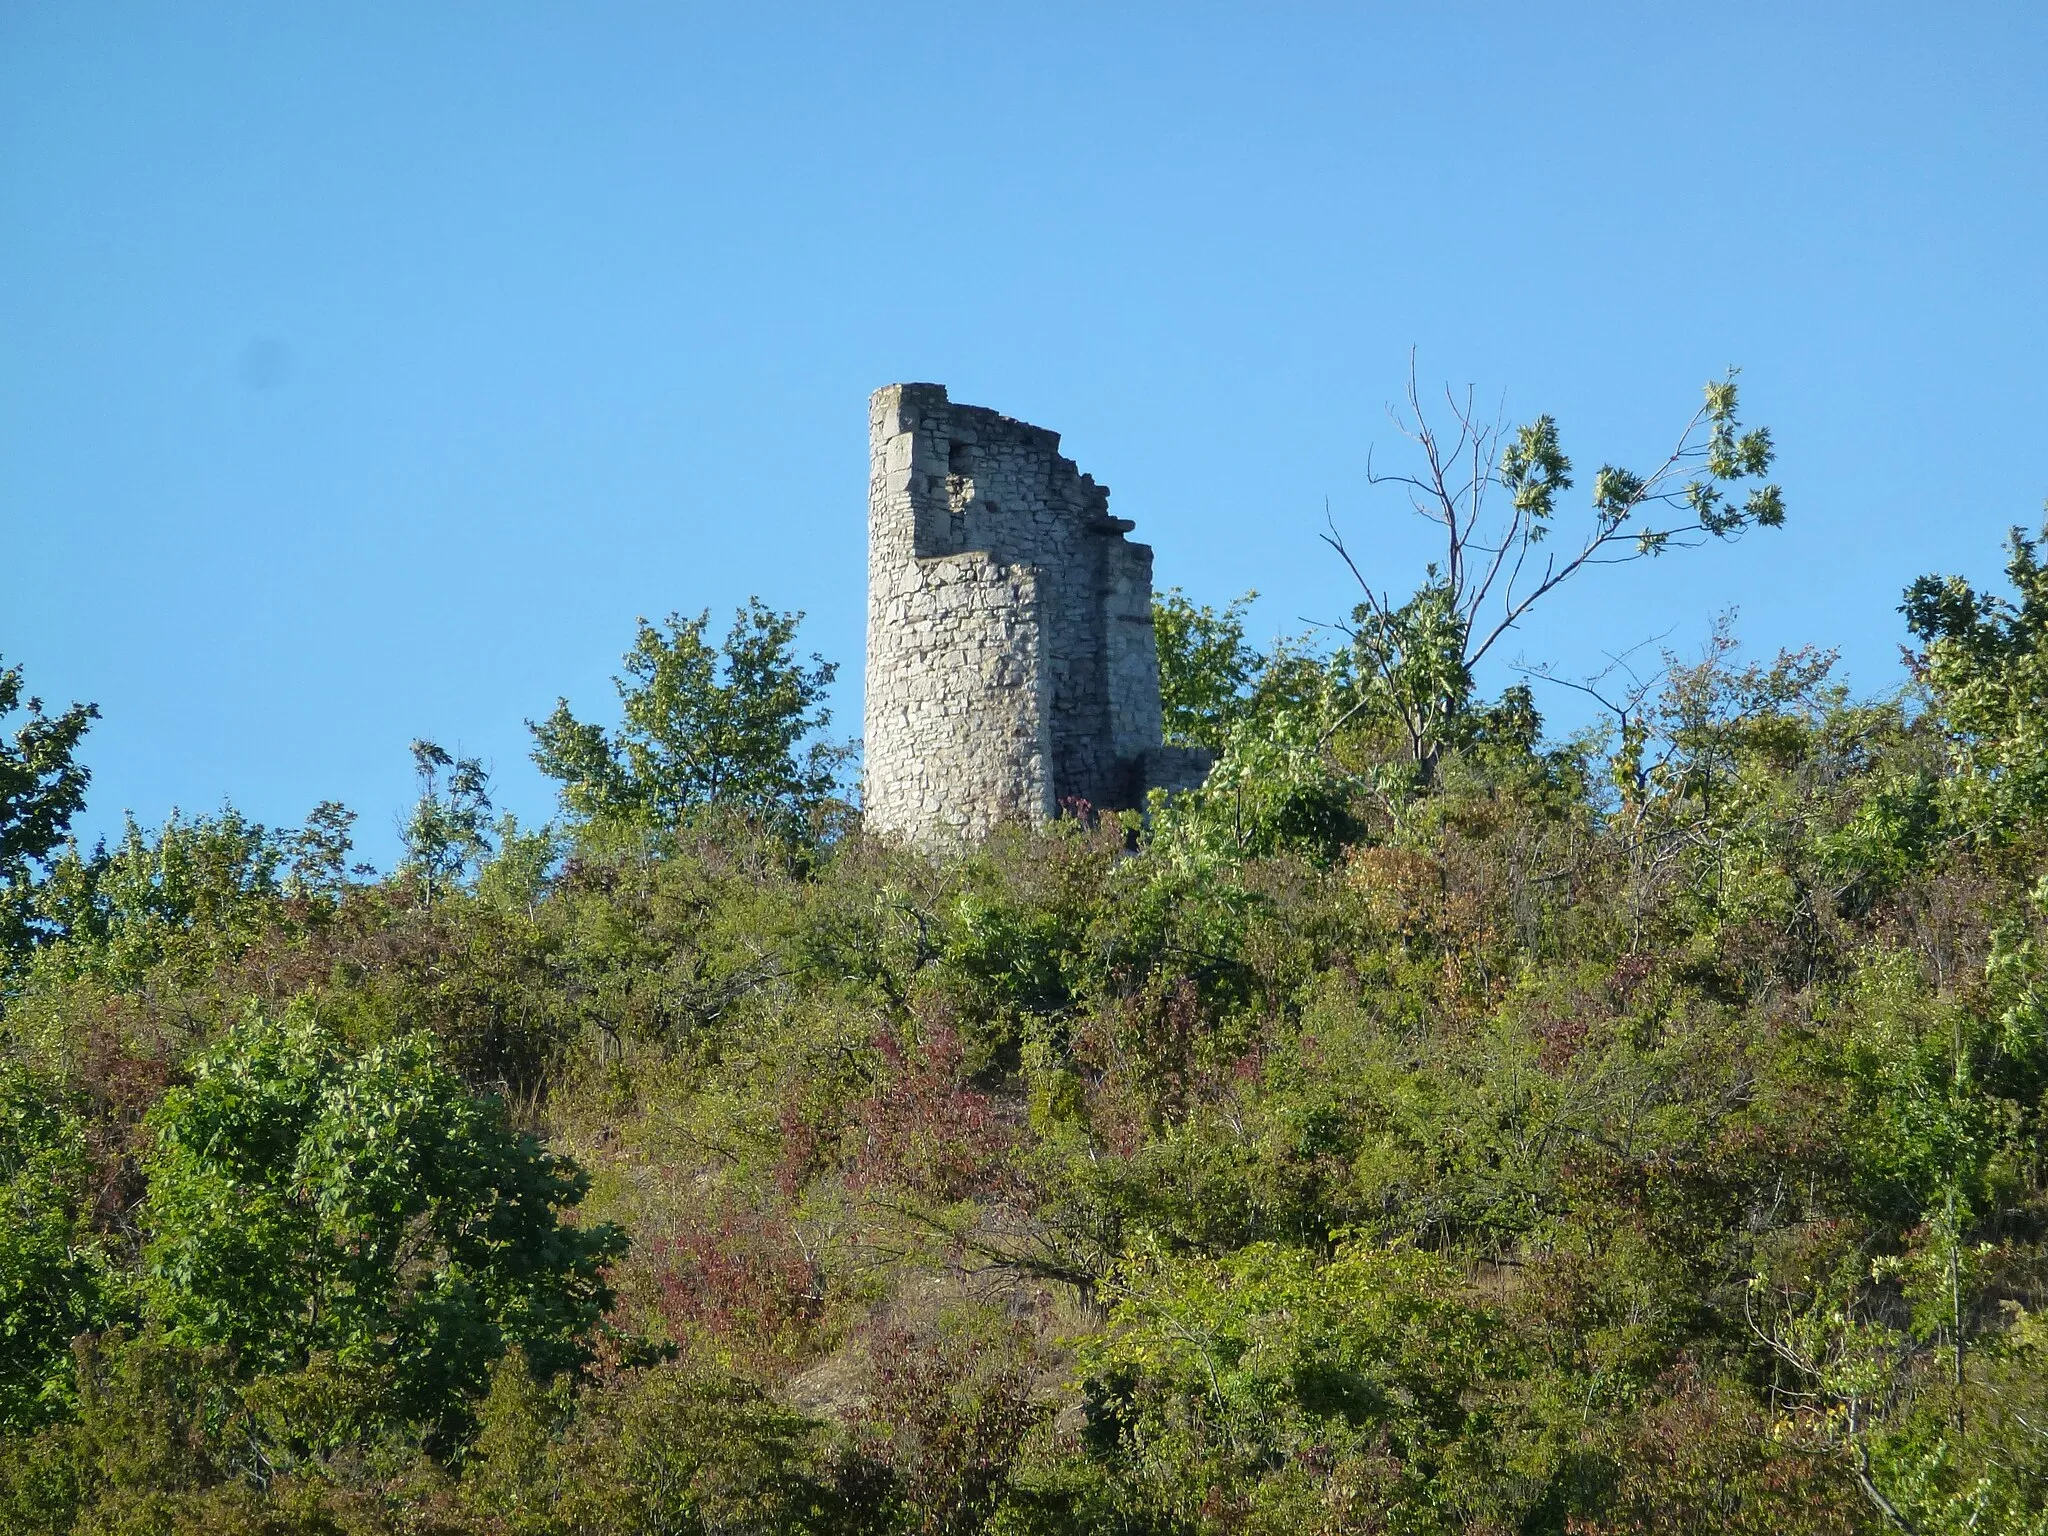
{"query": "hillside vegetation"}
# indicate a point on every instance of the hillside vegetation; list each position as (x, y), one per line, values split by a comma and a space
(1429, 1126)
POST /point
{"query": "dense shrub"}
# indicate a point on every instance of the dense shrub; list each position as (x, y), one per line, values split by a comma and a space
(1641, 1132)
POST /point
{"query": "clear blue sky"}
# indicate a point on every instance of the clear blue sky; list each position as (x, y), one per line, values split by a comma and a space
(365, 370)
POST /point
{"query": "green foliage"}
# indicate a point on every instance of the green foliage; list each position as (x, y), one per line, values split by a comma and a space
(1638, 1133)
(147, 1439)
(184, 896)
(42, 783)
(704, 725)
(318, 853)
(1415, 659)
(659, 1449)
(1985, 663)
(1308, 1390)
(53, 1278)
(518, 877)
(1271, 719)
(42, 786)
(1274, 790)
(307, 1198)
(448, 834)
(1206, 670)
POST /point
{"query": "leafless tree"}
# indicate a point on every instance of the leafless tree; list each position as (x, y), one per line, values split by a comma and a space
(1498, 564)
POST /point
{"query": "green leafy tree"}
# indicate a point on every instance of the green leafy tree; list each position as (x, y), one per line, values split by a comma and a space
(1273, 790)
(1206, 670)
(1414, 658)
(1985, 663)
(664, 1448)
(42, 786)
(1214, 687)
(447, 837)
(1269, 717)
(306, 1198)
(189, 893)
(53, 1279)
(318, 862)
(704, 725)
(518, 875)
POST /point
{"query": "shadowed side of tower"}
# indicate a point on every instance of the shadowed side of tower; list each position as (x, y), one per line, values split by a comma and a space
(1011, 665)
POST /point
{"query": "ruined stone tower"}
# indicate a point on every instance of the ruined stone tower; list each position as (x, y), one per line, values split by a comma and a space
(1011, 667)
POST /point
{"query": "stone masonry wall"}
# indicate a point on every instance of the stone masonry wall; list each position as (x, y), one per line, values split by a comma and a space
(1011, 665)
